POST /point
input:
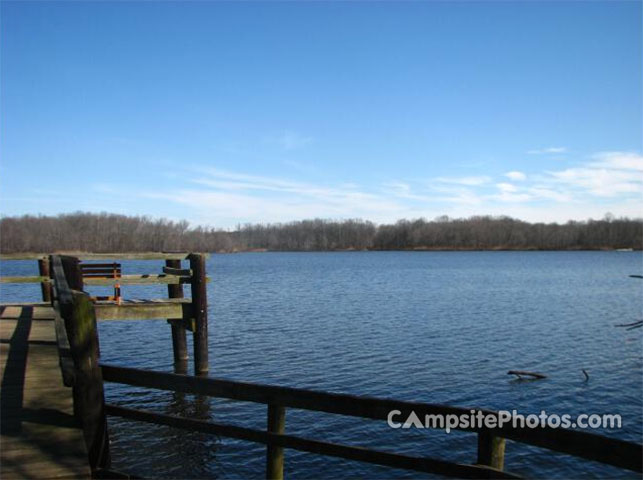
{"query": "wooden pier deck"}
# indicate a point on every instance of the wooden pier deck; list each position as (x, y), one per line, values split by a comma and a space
(40, 437)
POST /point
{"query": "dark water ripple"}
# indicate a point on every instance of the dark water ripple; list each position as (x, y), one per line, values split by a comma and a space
(439, 327)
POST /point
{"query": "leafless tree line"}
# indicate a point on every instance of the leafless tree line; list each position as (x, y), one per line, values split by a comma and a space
(484, 233)
(107, 232)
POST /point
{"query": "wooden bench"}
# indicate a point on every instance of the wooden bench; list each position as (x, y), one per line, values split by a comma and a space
(104, 270)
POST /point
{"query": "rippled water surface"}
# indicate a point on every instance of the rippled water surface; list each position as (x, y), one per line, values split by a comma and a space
(438, 327)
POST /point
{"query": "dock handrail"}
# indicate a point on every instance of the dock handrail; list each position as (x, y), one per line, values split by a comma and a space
(586, 445)
(277, 399)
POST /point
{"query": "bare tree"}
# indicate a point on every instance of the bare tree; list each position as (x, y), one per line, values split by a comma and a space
(105, 232)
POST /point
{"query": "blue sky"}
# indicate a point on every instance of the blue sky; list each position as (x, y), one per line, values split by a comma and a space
(224, 113)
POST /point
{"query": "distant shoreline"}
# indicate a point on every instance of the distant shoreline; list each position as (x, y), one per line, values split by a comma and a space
(31, 255)
(107, 232)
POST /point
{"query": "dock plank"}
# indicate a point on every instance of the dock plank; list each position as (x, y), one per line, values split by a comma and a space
(139, 309)
(32, 310)
(39, 435)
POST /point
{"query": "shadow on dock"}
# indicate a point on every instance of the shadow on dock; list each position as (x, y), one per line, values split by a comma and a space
(40, 436)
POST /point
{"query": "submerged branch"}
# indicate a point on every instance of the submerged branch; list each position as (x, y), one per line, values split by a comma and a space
(632, 325)
(521, 373)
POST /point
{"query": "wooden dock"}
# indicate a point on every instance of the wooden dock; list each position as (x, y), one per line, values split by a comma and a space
(52, 401)
(40, 437)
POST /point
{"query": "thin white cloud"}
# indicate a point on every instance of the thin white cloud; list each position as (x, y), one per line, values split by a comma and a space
(515, 175)
(463, 197)
(456, 194)
(508, 193)
(271, 187)
(606, 181)
(548, 150)
(561, 214)
(237, 197)
(544, 193)
(219, 178)
(469, 181)
(619, 160)
(506, 187)
(609, 175)
(511, 197)
(598, 181)
(404, 191)
(229, 208)
(397, 187)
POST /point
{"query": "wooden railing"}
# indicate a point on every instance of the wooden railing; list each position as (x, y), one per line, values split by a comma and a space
(79, 352)
(589, 446)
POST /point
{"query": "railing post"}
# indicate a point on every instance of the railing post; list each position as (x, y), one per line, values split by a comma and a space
(200, 312)
(80, 323)
(275, 455)
(79, 316)
(179, 337)
(491, 450)
(71, 266)
(45, 287)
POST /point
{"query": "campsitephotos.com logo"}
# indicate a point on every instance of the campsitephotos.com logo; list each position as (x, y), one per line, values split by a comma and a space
(477, 419)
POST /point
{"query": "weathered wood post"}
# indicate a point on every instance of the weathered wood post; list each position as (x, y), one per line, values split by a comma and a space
(74, 278)
(80, 323)
(491, 450)
(200, 312)
(275, 455)
(179, 337)
(45, 287)
(83, 338)
(73, 275)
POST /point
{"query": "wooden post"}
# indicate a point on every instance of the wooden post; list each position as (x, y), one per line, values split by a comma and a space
(45, 287)
(54, 297)
(200, 312)
(179, 338)
(491, 450)
(89, 398)
(71, 266)
(275, 455)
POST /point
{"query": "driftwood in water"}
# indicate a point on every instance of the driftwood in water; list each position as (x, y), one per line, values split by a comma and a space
(521, 373)
(636, 276)
(586, 375)
(631, 326)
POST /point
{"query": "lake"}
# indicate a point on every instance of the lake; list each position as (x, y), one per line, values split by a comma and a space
(436, 327)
